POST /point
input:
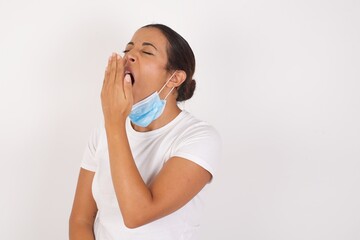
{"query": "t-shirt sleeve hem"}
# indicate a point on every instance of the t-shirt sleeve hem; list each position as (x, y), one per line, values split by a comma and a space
(198, 161)
(88, 167)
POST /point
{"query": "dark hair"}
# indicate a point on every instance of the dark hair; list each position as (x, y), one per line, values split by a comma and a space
(180, 57)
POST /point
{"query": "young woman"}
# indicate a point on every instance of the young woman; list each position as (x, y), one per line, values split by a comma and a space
(145, 166)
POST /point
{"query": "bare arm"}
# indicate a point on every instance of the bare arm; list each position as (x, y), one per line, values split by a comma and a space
(176, 184)
(84, 209)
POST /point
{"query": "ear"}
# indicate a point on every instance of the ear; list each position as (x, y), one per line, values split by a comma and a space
(178, 78)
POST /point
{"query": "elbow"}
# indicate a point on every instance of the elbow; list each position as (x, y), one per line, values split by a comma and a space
(134, 221)
(137, 216)
(131, 225)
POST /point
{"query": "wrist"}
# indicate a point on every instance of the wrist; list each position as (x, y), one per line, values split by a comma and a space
(115, 126)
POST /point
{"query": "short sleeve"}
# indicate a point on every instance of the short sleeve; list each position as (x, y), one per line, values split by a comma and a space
(201, 144)
(89, 157)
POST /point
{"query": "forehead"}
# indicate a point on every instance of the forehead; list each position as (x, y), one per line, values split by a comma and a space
(150, 35)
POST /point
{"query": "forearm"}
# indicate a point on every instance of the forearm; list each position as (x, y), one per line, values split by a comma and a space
(81, 231)
(133, 195)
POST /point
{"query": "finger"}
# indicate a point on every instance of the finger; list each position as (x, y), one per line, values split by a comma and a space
(119, 71)
(128, 88)
(106, 78)
(107, 72)
(112, 68)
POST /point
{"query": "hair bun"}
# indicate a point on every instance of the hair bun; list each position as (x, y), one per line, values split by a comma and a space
(186, 90)
(191, 88)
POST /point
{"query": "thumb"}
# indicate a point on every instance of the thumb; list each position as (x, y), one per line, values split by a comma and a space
(128, 88)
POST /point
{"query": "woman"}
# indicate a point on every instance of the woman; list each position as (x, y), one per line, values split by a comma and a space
(145, 167)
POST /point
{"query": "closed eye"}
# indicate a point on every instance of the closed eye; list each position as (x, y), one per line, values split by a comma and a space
(148, 53)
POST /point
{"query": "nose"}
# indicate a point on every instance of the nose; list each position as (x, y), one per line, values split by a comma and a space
(129, 57)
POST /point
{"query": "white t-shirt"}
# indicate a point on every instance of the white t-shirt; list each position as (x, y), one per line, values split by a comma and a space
(184, 137)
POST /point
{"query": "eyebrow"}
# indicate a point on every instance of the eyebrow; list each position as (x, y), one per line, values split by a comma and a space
(144, 44)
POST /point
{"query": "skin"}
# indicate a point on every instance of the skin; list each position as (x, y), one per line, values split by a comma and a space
(178, 181)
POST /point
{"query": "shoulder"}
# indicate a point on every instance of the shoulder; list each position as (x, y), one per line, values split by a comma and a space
(198, 129)
(97, 136)
(99, 131)
(197, 137)
(89, 161)
(199, 142)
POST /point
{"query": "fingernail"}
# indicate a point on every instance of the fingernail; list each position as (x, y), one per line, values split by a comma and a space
(127, 78)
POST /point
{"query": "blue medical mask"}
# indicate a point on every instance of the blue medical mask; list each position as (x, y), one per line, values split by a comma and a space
(150, 108)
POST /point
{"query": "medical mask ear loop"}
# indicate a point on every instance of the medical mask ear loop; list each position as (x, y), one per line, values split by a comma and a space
(165, 85)
(150, 109)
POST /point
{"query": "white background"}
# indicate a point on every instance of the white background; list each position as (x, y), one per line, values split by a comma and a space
(278, 79)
